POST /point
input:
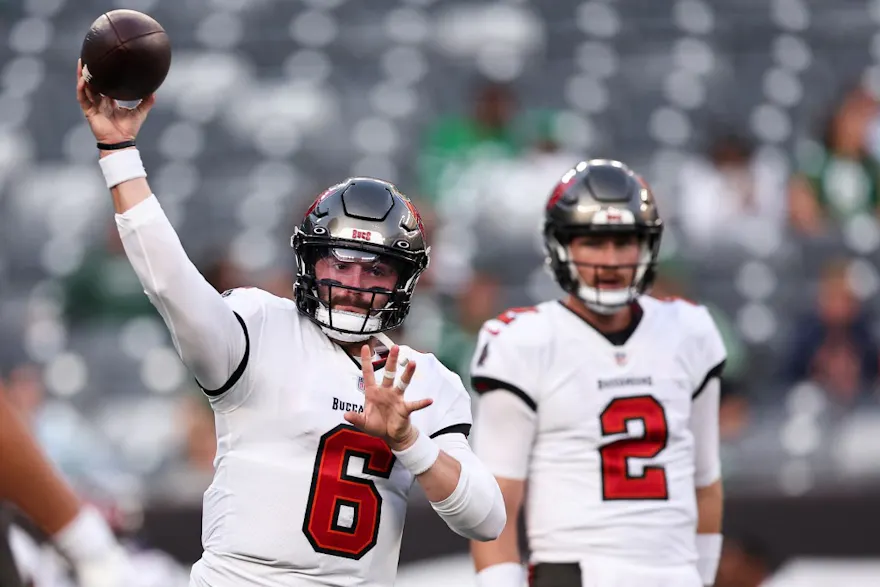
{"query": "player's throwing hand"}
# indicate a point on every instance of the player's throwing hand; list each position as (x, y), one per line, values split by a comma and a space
(110, 122)
(386, 412)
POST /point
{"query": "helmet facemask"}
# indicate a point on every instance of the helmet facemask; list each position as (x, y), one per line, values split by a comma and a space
(600, 300)
(320, 298)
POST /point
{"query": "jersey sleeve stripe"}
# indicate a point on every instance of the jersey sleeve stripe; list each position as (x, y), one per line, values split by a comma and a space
(455, 428)
(239, 371)
(486, 384)
(713, 372)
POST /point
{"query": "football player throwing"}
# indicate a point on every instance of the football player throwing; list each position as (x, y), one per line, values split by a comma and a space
(323, 424)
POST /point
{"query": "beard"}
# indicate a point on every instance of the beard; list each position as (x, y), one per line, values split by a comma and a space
(340, 298)
(353, 303)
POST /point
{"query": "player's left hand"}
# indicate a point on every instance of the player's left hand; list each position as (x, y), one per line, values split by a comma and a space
(386, 413)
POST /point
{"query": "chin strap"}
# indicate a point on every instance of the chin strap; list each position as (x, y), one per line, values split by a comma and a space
(592, 298)
(345, 321)
(384, 339)
(380, 336)
(604, 310)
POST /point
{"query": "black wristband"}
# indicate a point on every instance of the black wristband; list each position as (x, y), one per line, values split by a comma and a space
(116, 146)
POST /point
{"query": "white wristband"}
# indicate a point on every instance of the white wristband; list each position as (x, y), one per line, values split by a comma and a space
(709, 553)
(419, 457)
(122, 166)
(87, 537)
(502, 575)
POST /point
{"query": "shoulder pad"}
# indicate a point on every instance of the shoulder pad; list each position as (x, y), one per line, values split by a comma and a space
(250, 300)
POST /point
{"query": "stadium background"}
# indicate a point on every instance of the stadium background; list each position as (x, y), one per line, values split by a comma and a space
(756, 122)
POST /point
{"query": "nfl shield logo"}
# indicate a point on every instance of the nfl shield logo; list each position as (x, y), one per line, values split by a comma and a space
(620, 358)
(361, 383)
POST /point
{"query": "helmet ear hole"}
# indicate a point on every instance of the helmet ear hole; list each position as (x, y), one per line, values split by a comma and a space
(319, 230)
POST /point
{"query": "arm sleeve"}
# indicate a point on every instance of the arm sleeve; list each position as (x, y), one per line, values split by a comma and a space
(704, 427)
(504, 434)
(505, 372)
(475, 509)
(211, 339)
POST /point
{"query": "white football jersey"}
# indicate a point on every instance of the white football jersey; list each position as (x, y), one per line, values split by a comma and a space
(607, 445)
(299, 496)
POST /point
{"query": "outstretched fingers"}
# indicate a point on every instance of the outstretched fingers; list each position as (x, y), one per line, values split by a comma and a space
(405, 379)
(391, 367)
(146, 104)
(356, 419)
(417, 405)
(407, 376)
(367, 371)
(82, 95)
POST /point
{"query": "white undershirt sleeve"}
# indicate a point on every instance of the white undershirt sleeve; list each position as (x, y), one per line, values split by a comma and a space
(504, 432)
(475, 509)
(209, 337)
(704, 427)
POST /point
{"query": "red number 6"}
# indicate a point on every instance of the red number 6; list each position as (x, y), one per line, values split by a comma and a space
(334, 489)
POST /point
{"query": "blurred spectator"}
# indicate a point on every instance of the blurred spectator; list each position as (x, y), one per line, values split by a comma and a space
(71, 442)
(105, 288)
(476, 303)
(838, 178)
(224, 274)
(279, 283)
(490, 246)
(513, 193)
(187, 473)
(25, 392)
(672, 282)
(744, 562)
(731, 194)
(492, 219)
(833, 344)
(453, 142)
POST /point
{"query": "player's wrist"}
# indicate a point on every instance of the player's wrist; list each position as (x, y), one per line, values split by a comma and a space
(420, 455)
(709, 556)
(121, 166)
(87, 537)
(118, 144)
(106, 153)
(406, 440)
(502, 575)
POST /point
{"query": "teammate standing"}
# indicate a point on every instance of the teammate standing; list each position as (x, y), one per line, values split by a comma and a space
(604, 404)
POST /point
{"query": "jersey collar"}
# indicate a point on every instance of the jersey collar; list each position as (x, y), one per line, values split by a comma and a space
(620, 337)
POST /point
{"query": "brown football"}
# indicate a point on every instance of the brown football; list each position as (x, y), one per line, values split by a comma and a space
(126, 55)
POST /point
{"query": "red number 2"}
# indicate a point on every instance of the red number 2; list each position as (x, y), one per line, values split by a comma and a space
(350, 532)
(617, 483)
